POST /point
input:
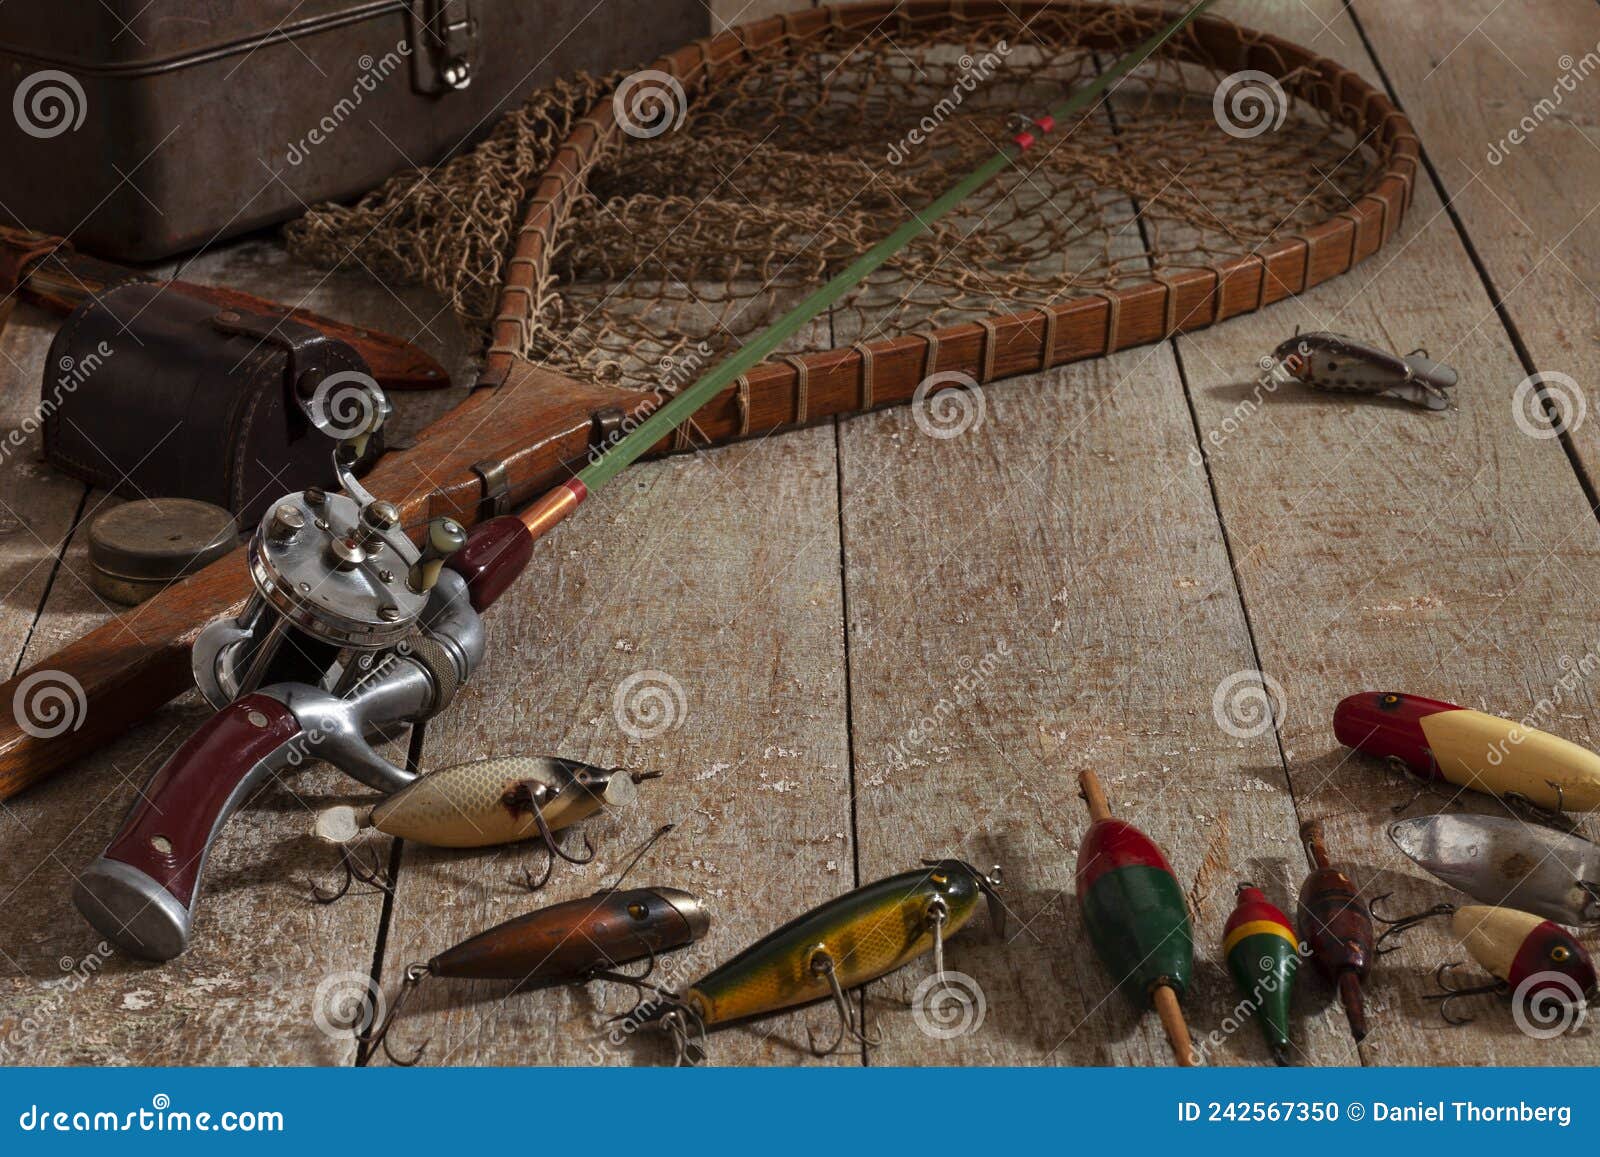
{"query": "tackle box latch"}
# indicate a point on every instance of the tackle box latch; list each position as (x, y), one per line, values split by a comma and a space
(444, 45)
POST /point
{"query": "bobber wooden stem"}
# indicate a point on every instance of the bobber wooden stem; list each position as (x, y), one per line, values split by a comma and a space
(1136, 915)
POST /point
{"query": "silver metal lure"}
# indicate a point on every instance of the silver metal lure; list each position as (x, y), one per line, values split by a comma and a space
(1332, 361)
(1509, 863)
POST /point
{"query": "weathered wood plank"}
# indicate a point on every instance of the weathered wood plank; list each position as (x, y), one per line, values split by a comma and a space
(1506, 102)
(715, 581)
(1068, 543)
(1380, 547)
(267, 963)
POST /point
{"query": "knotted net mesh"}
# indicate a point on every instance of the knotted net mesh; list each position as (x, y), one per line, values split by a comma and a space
(715, 210)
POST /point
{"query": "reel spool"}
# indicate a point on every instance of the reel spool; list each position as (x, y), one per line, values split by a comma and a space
(337, 583)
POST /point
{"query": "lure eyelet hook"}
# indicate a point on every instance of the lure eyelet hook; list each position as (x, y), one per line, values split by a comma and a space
(1523, 808)
(688, 1039)
(1421, 783)
(850, 1028)
(356, 867)
(1398, 925)
(552, 850)
(379, 1037)
(1451, 992)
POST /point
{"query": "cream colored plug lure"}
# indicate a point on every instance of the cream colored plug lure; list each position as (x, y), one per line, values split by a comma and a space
(487, 802)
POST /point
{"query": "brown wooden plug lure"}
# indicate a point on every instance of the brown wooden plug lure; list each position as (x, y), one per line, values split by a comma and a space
(487, 802)
(1336, 927)
(569, 943)
(844, 943)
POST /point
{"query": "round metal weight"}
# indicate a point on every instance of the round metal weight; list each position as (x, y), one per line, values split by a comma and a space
(139, 547)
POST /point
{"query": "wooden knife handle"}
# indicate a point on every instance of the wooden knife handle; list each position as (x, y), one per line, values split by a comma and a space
(141, 892)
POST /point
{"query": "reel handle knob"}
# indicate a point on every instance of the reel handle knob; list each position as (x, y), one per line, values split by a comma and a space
(445, 537)
(140, 893)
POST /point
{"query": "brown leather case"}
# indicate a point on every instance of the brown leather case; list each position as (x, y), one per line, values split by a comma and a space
(151, 128)
(151, 393)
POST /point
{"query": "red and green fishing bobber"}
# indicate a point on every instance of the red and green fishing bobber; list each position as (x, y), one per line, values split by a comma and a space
(1136, 915)
(1263, 953)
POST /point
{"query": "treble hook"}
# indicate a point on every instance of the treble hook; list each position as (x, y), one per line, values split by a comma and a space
(415, 974)
(1422, 783)
(1524, 808)
(849, 1027)
(355, 868)
(1400, 924)
(689, 1045)
(1452, 993)
(552, 850)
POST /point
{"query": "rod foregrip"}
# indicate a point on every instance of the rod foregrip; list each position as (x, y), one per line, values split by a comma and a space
(141, 892)
(495, 553)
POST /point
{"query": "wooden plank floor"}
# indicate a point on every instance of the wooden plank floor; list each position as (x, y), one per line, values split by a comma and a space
(893, 646)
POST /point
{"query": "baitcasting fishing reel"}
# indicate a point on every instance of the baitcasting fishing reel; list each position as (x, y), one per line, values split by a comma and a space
(352, 633)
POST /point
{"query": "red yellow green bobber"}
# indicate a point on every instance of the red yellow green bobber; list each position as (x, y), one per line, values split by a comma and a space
(1136, 915)
(1263, 954)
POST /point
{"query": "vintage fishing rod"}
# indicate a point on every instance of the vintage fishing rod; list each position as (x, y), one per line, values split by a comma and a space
(354, 631)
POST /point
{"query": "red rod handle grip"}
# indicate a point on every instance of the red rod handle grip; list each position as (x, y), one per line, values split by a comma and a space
(494, 554)
(140, 893)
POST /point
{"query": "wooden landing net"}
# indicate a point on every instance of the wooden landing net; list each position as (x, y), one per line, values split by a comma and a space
(672, 219)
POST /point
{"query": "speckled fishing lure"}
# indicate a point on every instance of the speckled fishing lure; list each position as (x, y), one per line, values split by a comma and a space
(1332, 361)
(846, 942)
